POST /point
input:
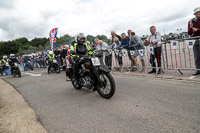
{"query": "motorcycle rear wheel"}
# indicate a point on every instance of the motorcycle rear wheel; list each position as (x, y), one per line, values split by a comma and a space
(57, 68)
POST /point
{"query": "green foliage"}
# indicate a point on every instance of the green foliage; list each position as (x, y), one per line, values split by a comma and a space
(104, 38)
(22, 45)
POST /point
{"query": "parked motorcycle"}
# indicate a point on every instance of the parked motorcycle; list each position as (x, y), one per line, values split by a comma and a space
(93, 76)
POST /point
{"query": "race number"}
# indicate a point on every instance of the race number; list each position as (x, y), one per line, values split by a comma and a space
(174, 44)
(116, 52)
(151, 50)
(132, 52)
(110, 51)
(124, 53)
(141, 52)
(190, 43)
(95, 61)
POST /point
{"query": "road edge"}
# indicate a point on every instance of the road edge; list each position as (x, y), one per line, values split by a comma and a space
(15, 113)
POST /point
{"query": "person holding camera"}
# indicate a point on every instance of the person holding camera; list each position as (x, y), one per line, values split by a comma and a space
(194, 31)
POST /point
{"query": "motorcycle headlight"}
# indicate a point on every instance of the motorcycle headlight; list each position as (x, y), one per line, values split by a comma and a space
(54, 61)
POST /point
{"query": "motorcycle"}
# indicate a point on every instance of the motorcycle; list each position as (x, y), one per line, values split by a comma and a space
(16, 70)
(93, 76)
(28, 65)
(54, 67)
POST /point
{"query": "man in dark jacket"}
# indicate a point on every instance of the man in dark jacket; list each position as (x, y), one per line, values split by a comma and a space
(113, 34)
(193, 31)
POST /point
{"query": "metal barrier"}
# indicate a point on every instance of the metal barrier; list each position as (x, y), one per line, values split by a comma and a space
(123, 58)
(176, 55)
(179, 54)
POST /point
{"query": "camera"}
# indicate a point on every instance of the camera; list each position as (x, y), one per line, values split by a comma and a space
(194, 20)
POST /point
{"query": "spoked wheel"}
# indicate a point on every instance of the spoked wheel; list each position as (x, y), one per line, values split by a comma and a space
(57, 68)
(108, 89)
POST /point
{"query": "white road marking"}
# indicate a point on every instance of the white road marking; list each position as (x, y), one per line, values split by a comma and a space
(32, 74)
(191, 77)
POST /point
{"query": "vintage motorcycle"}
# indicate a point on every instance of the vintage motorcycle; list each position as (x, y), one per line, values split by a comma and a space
(93, 76)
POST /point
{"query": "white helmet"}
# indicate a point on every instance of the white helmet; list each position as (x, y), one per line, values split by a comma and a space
(4, 56)
(50, 52)
(12, 55)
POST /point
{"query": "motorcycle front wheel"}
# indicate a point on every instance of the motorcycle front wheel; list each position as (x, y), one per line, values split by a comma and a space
(108, 88)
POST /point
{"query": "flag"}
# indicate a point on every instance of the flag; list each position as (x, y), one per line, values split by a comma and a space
(52, 35)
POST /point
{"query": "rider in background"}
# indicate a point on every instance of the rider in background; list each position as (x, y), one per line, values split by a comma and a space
(4, 64)
(51, 57)
(13, 60)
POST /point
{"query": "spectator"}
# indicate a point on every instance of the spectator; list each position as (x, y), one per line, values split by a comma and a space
(125, 44)
(92, 46)
(96, 42)
(63, 57)
(88, 42)
(125, 40)
(154, 40)
(116, 46)
(129, 32)
(137, 44)
(113, 35)
(193, 31)
(57, 52)
(103, 47)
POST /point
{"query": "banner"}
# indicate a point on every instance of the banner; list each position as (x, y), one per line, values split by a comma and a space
(151, 50)
(124, 52)
(190, 43)
(52, 35)
(174, 44)
(110, 51)
(132, 52)
(141, 52)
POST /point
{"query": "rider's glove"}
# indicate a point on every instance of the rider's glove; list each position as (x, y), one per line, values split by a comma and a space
(75, 58)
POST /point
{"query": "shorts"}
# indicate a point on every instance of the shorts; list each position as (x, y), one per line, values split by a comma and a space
(141, 54)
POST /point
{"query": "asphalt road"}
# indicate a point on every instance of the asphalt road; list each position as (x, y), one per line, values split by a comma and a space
(140, 105)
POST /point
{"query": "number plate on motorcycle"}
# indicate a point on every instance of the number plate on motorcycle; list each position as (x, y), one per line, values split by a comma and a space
(95, 61)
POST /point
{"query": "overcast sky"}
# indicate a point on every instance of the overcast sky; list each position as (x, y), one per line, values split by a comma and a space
(35, 18)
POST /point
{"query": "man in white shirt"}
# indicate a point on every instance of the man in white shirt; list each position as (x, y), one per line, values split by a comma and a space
(154, 40)
(103, 47)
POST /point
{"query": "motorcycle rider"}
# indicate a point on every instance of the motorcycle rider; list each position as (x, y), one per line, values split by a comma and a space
(80, 47)
(4, 64)
(51, 57)
(12, 60)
